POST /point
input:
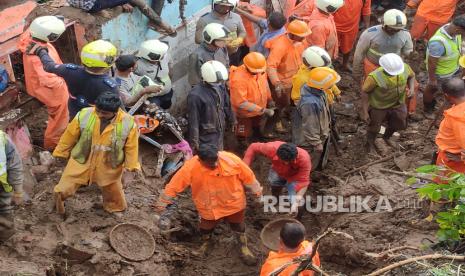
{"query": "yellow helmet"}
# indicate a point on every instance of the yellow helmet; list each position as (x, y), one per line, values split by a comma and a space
(99, 53)
(462, 61)
(323, 78)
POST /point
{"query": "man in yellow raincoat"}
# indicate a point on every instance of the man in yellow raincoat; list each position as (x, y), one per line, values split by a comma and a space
(99, 142)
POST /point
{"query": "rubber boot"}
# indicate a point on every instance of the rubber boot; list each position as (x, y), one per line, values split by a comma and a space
(279, 127)
(59, 204)
(7, 226)
(387, 136)
(246, 255)
(206, 246)
(428, 109)
(370, 144)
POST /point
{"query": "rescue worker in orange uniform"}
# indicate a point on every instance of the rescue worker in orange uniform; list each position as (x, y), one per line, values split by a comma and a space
(292, 244)
(100, 142)
(48, 88)
(347, 20)
(451, 135)
(430, 16)
(298, 9)
(217, 180)
(323, 28)
(284, 61)
(251, 37)
(250, 95)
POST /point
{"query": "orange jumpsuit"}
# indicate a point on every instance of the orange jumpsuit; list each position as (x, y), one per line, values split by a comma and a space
(48, 88)
(250, 95)
(276, 260)
(302, 10)
(251, 37)
(451, 137)
(347, 20)
(324, 32)
(217, 193)
(283, 62)
(430, 16)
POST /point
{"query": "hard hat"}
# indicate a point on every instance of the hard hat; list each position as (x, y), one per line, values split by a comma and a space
(215, 31)
(298, 28)
(392, 64)
(255, 62)
(323, 78)
(394, 19)
(315, 56)
(99, 53)
(231, 3)
(153, 50)
(462, 61)
(146, 124)
(329, 6)
(213, 71)
(47, 28)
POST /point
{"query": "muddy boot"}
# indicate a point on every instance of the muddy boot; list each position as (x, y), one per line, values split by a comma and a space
(387, 138)
(280, 128)
(428, 110)
(7, 226)
(246, 255)
(59, 204)
(207, 244)
(370, 147)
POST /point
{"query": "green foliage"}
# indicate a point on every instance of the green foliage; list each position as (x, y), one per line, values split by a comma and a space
(452, 189)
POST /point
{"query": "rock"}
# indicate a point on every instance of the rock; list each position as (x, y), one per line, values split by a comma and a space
(402, 162)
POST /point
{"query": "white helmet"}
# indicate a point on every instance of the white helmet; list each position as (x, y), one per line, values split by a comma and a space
(329, 6)
(315, 56)
(394, 19)
(153, 50)
(214, 31)
(47, 28)
(214, 71)
(231, 3)
(392, 64)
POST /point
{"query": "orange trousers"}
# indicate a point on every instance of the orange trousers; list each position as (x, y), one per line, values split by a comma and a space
(411, 102)
(347, 40)
(58, 118)
(422, 28)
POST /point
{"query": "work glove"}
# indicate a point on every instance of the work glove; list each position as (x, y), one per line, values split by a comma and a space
(235, 43)
(268, 112)
(34, 49)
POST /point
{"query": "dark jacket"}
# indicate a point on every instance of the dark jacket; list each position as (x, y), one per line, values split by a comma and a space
(84, 88)
(209, 114)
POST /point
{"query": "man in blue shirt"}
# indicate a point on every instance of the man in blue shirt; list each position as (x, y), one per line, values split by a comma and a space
(271, 27)
(85, 83)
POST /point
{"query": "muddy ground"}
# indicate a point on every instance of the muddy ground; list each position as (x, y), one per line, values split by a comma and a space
(79, 243)
(43, 237)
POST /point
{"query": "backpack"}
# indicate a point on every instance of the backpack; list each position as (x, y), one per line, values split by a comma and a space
(3, 79)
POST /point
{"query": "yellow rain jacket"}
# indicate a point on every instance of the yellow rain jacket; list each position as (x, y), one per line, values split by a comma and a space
(301, 78)
(97, 168)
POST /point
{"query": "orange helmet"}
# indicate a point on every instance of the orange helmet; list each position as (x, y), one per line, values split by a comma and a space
(323, 78)
(298, 28)
(255, 62)
(145, 124)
